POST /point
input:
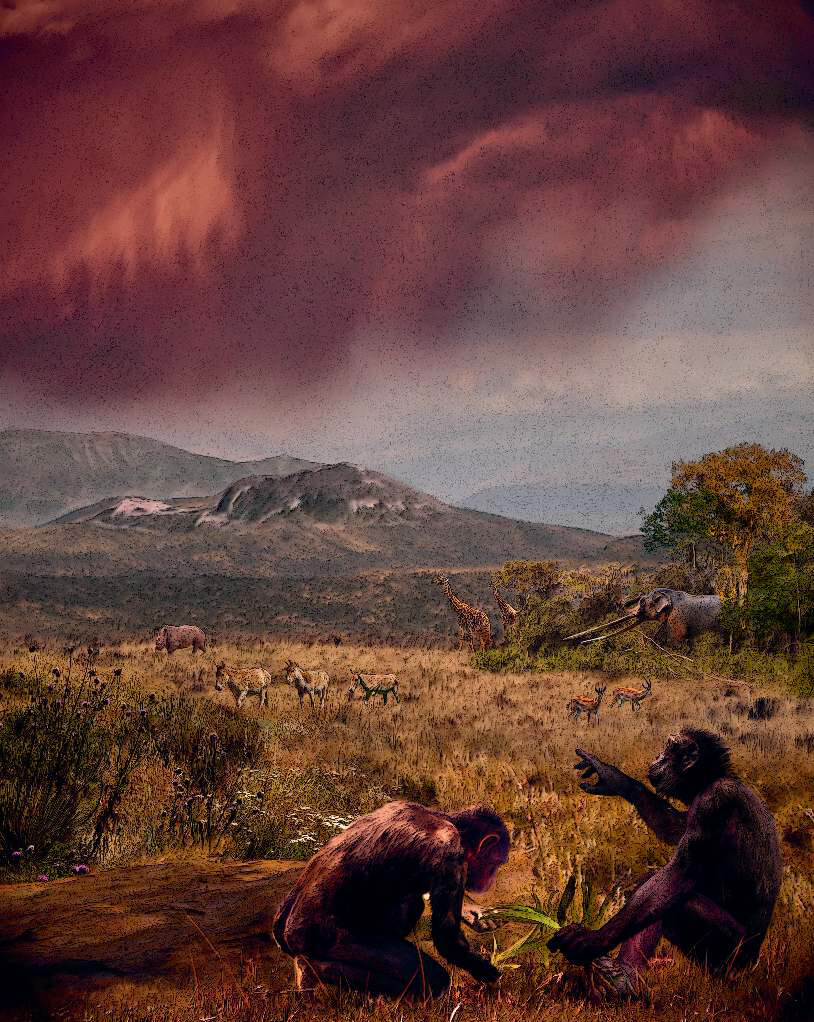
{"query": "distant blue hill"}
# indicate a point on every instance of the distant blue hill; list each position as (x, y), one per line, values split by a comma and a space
(604, 507)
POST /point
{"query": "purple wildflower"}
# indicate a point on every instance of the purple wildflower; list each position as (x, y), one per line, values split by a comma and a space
(81, 870)
(16, 856)
(42, 879)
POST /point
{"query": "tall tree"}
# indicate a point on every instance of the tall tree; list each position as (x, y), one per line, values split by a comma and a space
(781, 596)
(736, 499)
(681, 522)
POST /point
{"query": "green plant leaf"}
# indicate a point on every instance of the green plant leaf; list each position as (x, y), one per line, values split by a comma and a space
(606, 903)
(587, 891)
(530, 942)
(523, 914)
(567, 898)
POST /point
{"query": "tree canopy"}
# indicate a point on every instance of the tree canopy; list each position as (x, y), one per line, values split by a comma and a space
(743, 514)
(726, 504)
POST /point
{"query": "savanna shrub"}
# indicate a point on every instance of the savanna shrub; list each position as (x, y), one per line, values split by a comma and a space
(303, 809)
(17, 683)
(182, 729)
(55, 764)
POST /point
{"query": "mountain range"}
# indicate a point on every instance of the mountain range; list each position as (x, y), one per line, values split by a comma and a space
(329, 520)
(46, 473)
(279, 545)
(606, 506)
(155, 508)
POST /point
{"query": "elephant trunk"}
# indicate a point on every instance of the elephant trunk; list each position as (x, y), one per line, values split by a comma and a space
(597, 628)
(619, 631)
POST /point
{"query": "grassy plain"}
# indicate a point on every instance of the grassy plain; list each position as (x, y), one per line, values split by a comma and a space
(460, 736)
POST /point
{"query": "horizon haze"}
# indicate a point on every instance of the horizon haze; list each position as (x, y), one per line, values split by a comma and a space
(534, 249)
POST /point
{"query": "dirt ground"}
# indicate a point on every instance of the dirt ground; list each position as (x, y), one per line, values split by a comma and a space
(175, 922)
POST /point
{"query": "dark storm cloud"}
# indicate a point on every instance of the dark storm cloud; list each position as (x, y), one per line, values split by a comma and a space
(217, 189)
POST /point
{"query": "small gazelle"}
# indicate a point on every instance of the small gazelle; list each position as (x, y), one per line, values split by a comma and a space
(633, 696)
(584, 704)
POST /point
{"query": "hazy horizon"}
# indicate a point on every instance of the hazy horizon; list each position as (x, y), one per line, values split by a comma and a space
(531, 245)
(601, 507)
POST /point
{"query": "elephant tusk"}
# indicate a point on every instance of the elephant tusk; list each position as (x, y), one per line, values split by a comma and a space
(612, 635)
(596, 628)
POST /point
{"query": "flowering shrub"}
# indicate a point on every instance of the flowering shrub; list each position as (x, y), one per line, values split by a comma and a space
(303, 809)
(65, 760)
(210, 804)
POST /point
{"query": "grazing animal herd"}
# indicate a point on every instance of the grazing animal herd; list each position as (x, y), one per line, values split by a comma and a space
(681, 616)
(575, 707)
(254, 682)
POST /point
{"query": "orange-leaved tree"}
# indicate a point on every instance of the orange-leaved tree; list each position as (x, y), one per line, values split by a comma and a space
(752, 494)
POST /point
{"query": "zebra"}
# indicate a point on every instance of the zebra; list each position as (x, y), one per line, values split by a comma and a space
(244, 684)
(307, 683)
(383, 685)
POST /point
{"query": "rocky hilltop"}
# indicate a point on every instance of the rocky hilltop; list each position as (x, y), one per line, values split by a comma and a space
(44, 473)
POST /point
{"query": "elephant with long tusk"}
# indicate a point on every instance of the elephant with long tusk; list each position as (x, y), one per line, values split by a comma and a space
(682, 616)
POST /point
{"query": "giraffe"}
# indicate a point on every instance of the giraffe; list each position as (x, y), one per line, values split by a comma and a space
(474, 627)
(507, 611)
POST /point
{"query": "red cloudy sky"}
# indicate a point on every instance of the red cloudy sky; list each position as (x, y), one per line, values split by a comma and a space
(247, 207)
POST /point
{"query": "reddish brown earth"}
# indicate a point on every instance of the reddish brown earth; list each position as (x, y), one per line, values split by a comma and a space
(174, 922)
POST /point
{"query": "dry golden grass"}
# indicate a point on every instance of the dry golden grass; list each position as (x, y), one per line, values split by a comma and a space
(461, 736)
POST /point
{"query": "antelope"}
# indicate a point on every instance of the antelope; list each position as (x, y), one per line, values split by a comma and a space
(584, 704)
(383, 685)
(244, 684)
(631, 695)
(307, 683)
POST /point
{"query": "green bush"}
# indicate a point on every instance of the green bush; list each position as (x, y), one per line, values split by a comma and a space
(59, 775)
(709, 657)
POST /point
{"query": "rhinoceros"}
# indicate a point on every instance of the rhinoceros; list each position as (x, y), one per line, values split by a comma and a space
(172, 637)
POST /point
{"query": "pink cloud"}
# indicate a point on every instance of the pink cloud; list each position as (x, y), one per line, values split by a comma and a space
(260, 183)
